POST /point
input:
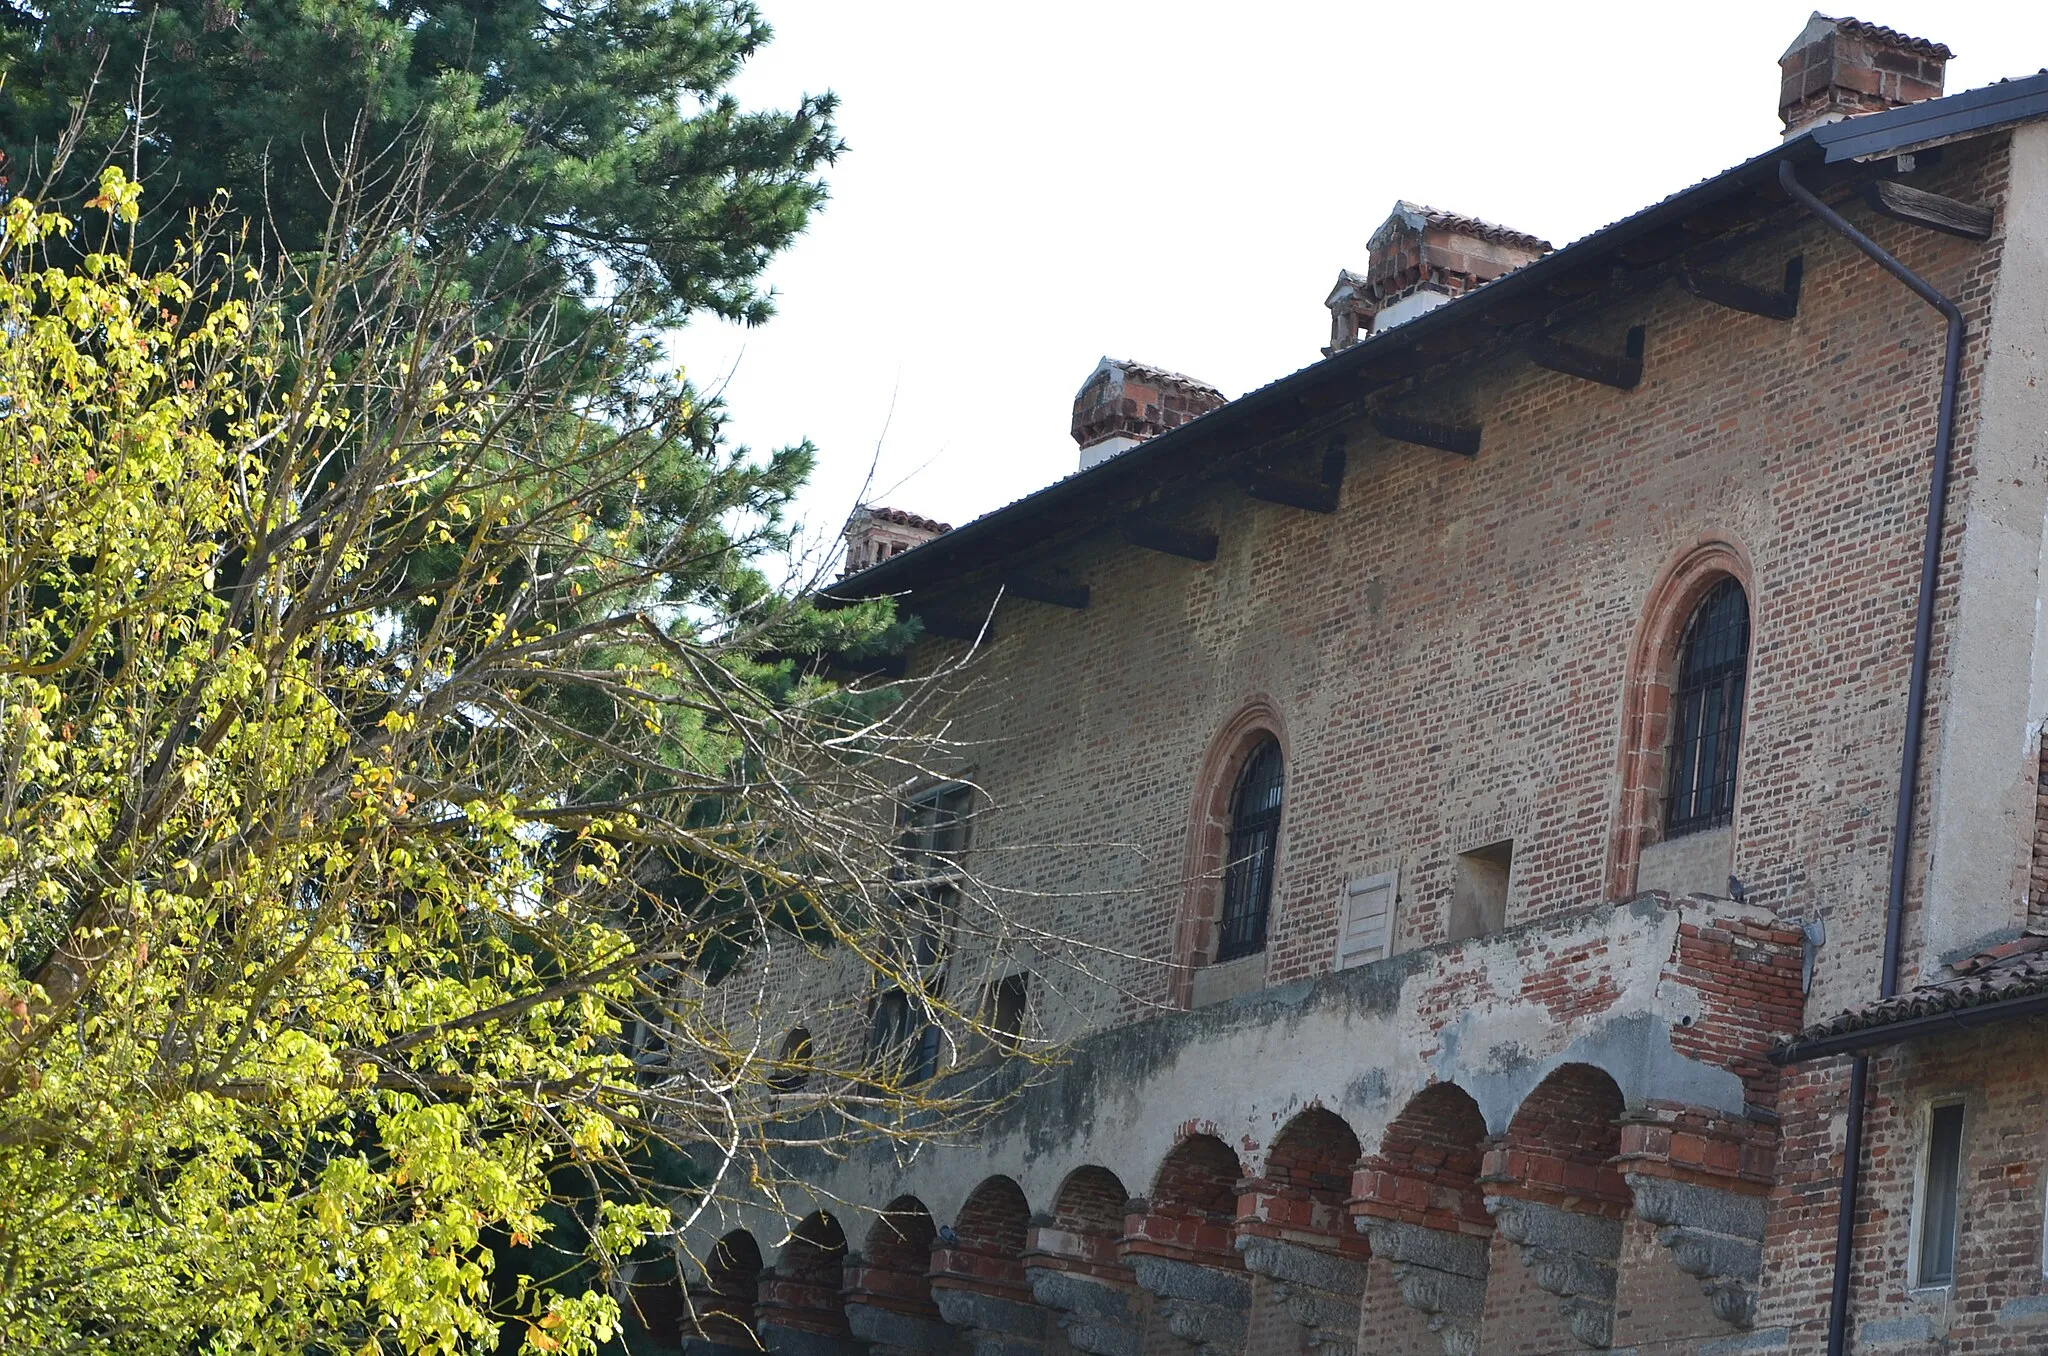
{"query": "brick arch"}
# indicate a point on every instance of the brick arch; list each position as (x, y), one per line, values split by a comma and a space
(1427, 1168)
(727, 1309)
(1194, 944)
(1314, 1154)
(995, 1219)
(895, 1260)
(901, 1237)
(805, 1290)
(1198, 1178)
(1091, 1201)
(1563, 1139)
(1646, 694)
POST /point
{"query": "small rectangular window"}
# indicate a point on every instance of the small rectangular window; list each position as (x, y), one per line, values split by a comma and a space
(1940, 1196)
(1002, 1011)
(1479, 890)
(1365, 927)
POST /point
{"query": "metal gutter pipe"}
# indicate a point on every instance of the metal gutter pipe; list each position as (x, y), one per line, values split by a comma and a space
(1916, 694)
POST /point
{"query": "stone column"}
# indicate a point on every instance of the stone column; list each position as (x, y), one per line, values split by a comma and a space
(1091, 1297)
(987, 1300)
(804, 1317)
(1438, 1273)
(1314, 1289)
(1572, 1255)
(1197, 1295)
(893, 1312)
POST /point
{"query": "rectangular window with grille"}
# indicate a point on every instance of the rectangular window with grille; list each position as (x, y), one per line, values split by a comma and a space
(1706, 713)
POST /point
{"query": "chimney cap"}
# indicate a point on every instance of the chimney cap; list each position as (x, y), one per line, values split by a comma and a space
(1820, 25)
(1415, 216)
(1145, 372)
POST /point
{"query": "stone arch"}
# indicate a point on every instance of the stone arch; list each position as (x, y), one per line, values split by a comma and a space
(1646, 695)
(1562, 1206)
(804, 1291)
(1254, 723)
(1198, 1177)
(1075, 1263)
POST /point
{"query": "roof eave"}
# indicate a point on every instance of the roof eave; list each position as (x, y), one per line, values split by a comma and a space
(1973, 111)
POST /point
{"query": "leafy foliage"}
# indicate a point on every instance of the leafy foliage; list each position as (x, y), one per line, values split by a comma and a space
(382, 770)
(580, 145)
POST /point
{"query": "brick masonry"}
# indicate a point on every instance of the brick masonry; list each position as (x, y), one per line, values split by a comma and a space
(1466, 653)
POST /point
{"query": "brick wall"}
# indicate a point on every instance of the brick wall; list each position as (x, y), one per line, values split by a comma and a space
(1449, 656)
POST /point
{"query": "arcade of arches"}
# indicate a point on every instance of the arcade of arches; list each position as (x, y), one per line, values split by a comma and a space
(1583, 1226)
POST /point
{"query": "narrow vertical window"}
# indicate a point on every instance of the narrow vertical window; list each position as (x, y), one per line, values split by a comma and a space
(1706, 712)
(1940, 1194)
(1248, 870)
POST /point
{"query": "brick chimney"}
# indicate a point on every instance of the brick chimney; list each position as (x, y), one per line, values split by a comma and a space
(1837, 68)
(875, 534)
(1420, 258)
(1124, 403)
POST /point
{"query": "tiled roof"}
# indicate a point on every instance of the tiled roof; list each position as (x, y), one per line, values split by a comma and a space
(1891, 37)
(2014, 969)
(1157, 376)
(1476, 226)
(906, 519)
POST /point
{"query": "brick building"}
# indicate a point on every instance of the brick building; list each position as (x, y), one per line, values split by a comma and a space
(1474, 763)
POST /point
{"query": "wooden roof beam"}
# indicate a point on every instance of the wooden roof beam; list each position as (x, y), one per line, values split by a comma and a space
(1918, 207)
(1782, 304)
(1623, 371)
(1188, 543)
(1463, 439)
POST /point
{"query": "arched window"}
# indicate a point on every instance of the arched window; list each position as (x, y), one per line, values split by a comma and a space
(1254, 834)
(1706, 712)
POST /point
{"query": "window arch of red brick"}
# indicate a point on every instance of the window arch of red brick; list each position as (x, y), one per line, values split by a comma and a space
(1646, 695)
(1194, 941)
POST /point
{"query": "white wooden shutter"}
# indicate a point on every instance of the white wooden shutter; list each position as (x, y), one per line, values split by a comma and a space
(1366, 929)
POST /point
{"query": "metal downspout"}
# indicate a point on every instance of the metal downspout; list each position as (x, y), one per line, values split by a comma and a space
(1909, 755)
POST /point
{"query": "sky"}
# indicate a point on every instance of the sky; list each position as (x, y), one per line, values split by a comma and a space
(1031, 187)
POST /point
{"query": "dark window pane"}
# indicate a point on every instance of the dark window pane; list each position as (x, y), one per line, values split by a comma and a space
(1254, 835)
(1706, 712)
(1940, 1196)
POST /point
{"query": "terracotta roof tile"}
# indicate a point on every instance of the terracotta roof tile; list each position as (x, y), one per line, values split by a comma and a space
(902, 518)
(1892, 37)
(2014, 969)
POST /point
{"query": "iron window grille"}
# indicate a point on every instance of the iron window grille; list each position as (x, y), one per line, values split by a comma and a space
(1254, 836)
(1706, 709)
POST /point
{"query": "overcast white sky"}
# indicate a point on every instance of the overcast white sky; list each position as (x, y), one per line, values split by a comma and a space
(1033, 186)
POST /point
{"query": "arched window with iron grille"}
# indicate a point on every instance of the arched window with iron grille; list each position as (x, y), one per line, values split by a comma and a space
(1248, 870)
(1706, 712)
